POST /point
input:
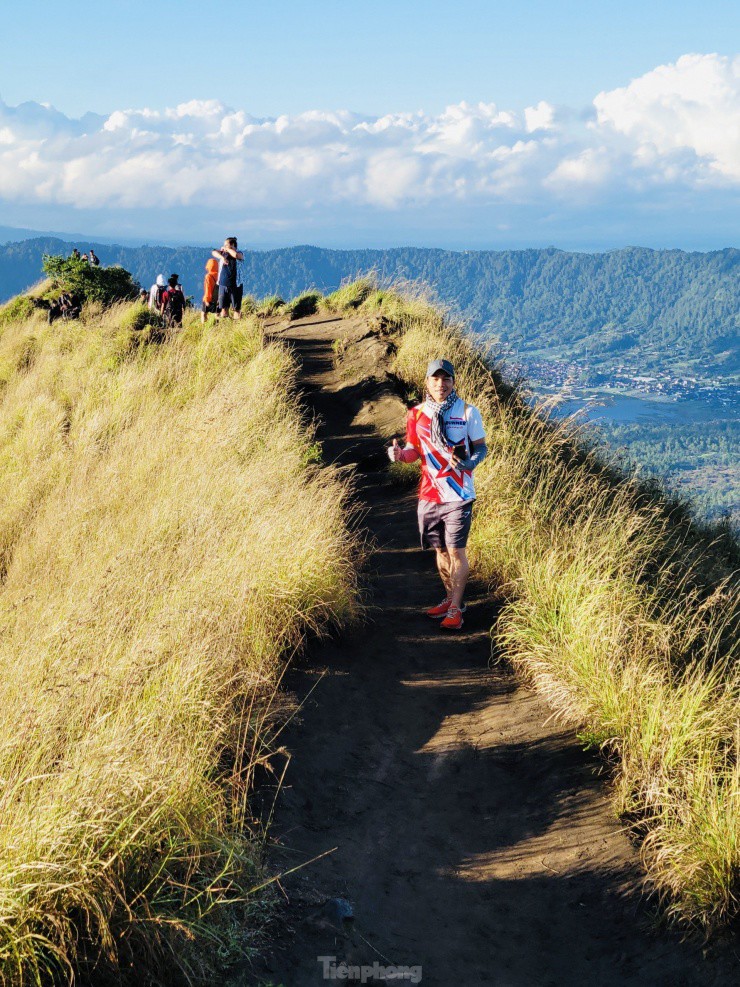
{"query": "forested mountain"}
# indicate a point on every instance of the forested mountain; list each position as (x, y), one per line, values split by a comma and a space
(656, 324)
(634, 304)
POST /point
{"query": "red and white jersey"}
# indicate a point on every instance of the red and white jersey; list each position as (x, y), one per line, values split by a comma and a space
(440, 482)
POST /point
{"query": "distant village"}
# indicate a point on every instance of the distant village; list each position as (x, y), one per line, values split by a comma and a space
(565, 375)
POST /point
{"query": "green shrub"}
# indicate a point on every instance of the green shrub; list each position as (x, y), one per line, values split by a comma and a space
(138, 316)
(92, 284)
(272, 305)
(351, 294)
(304, 305)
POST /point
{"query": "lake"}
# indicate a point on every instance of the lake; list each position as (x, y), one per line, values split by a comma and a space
(627, 409)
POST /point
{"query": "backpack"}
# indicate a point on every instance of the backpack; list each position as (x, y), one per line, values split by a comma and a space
(174, 302)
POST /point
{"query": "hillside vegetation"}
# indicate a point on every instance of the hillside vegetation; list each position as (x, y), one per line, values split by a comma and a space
(651, 307)
(619, 609)
(157, 562)
(167, 536)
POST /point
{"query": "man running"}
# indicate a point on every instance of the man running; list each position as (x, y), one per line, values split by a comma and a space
(447, 435)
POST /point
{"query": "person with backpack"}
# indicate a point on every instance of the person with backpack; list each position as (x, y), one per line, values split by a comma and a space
(173, 303)
(447, 435)
(155, 293)
(93, 258)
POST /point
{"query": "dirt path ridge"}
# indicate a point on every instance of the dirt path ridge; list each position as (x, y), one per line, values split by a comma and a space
(474, 839)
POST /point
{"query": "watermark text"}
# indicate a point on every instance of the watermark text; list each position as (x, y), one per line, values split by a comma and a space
(368, 973)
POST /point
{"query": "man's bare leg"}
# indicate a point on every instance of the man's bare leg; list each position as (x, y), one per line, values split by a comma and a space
(459, 570)
(444, 569)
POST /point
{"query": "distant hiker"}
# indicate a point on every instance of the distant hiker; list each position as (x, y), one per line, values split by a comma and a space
(67, 306)
(75, 255)
(155, 293)
(93, 258)
(447, 435)
(229, 293)
(85, 258)
(71, 305)
(209, 289)
(173, 302)
(143, 296)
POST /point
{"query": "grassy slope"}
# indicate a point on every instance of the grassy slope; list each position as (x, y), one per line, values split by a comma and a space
(618, 608)
(157, 560)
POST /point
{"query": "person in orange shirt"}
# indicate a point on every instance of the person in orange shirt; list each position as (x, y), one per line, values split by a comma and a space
(209, 289)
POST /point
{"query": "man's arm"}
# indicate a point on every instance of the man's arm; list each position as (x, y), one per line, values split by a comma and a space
(407, 454)
(478, 452)
(476, 441)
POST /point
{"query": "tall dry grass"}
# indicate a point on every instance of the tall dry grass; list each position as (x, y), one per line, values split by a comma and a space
(618, 607)
(165, 538)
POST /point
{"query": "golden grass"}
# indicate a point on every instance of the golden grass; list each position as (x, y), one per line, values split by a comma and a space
(157, 561)
(618, 608)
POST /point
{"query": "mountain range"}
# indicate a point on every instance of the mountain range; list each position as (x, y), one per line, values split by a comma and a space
(634, 305)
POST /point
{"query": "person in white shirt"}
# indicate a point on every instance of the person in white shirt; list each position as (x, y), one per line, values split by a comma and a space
(155, 293)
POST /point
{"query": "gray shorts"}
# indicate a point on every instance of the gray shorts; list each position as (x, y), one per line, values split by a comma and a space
(444, 525)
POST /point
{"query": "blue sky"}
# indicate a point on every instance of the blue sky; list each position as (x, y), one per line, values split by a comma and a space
(338, 130)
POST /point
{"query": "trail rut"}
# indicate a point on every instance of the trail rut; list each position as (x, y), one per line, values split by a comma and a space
(473, 837)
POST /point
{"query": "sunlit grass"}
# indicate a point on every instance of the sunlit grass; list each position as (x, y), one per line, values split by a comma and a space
(157, 561)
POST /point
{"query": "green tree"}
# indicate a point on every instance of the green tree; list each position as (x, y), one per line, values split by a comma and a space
(93, 284)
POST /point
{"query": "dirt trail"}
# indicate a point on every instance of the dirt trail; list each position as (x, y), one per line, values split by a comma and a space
(473, 837)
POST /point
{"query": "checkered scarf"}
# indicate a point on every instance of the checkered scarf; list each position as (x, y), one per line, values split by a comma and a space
(436, 411)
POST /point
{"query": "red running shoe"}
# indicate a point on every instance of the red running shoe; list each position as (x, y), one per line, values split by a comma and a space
(440, 610)
(454, 619)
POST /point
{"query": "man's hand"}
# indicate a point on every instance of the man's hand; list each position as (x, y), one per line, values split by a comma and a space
(395, 452)
(478, 452)
(402, 454)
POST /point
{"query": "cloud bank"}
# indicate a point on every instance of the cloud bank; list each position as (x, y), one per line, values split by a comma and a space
(670, 140)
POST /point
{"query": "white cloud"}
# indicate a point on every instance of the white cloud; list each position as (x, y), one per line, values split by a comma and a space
(392, 178)
(692, 105)
(675, 127)
(589, 168)
(182, 156)
(540, 117)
